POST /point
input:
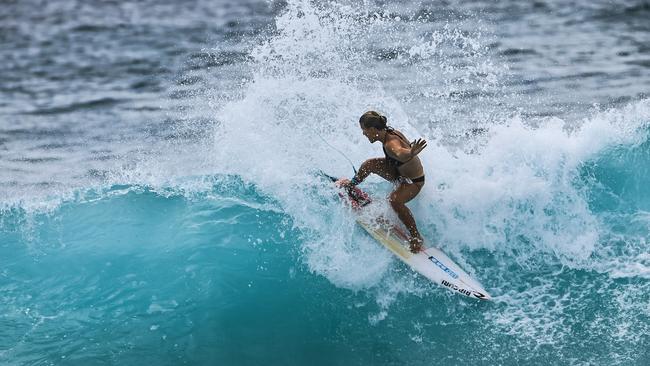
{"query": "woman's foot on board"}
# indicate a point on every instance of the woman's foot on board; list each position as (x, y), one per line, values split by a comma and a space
(416, 244)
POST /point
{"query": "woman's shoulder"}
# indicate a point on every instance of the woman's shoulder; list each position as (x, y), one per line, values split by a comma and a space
(398, 135)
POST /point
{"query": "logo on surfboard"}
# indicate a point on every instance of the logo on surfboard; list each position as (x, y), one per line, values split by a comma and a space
(463, 291)
(443, 267)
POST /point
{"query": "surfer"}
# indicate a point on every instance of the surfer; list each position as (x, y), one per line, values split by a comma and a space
(400, 166)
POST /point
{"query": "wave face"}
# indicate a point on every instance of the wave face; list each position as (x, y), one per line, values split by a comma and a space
(169, 212)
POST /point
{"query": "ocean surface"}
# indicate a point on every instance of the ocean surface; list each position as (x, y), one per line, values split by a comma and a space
(159, 203)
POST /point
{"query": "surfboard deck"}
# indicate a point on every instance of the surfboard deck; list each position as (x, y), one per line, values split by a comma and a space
(431, 262)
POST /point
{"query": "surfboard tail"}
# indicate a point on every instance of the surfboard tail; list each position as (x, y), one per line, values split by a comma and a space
(351, 194)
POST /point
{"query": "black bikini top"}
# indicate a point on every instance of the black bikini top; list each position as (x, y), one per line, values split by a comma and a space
(389, 159)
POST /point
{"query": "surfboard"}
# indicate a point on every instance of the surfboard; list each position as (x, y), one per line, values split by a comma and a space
(432, 263)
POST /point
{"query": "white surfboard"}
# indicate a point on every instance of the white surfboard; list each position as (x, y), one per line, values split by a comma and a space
(432, 262)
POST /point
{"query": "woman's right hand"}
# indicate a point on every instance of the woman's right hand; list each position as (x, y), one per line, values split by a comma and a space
(342, 182)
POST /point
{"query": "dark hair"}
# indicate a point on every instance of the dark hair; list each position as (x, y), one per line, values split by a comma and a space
(373, 119)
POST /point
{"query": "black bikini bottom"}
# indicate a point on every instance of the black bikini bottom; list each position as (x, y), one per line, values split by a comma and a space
(402, 179)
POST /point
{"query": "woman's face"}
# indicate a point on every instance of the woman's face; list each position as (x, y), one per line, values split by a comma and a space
(371, 133)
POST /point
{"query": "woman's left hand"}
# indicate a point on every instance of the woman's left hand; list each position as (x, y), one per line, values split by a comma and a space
(417, 146)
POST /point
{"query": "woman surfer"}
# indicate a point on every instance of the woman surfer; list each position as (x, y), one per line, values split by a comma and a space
(400, 166)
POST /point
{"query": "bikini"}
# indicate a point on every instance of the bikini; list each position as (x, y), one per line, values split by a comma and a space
(394, 163)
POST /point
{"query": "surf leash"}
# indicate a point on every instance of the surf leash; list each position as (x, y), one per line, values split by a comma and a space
(338, 151)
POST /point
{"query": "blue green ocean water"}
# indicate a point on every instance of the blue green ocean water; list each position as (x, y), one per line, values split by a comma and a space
(159, 203)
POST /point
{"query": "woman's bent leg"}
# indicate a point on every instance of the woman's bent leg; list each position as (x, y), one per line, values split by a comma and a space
(377, 166)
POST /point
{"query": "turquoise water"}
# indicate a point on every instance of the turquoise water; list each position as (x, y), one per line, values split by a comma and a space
(159, 203)
(131, 274)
